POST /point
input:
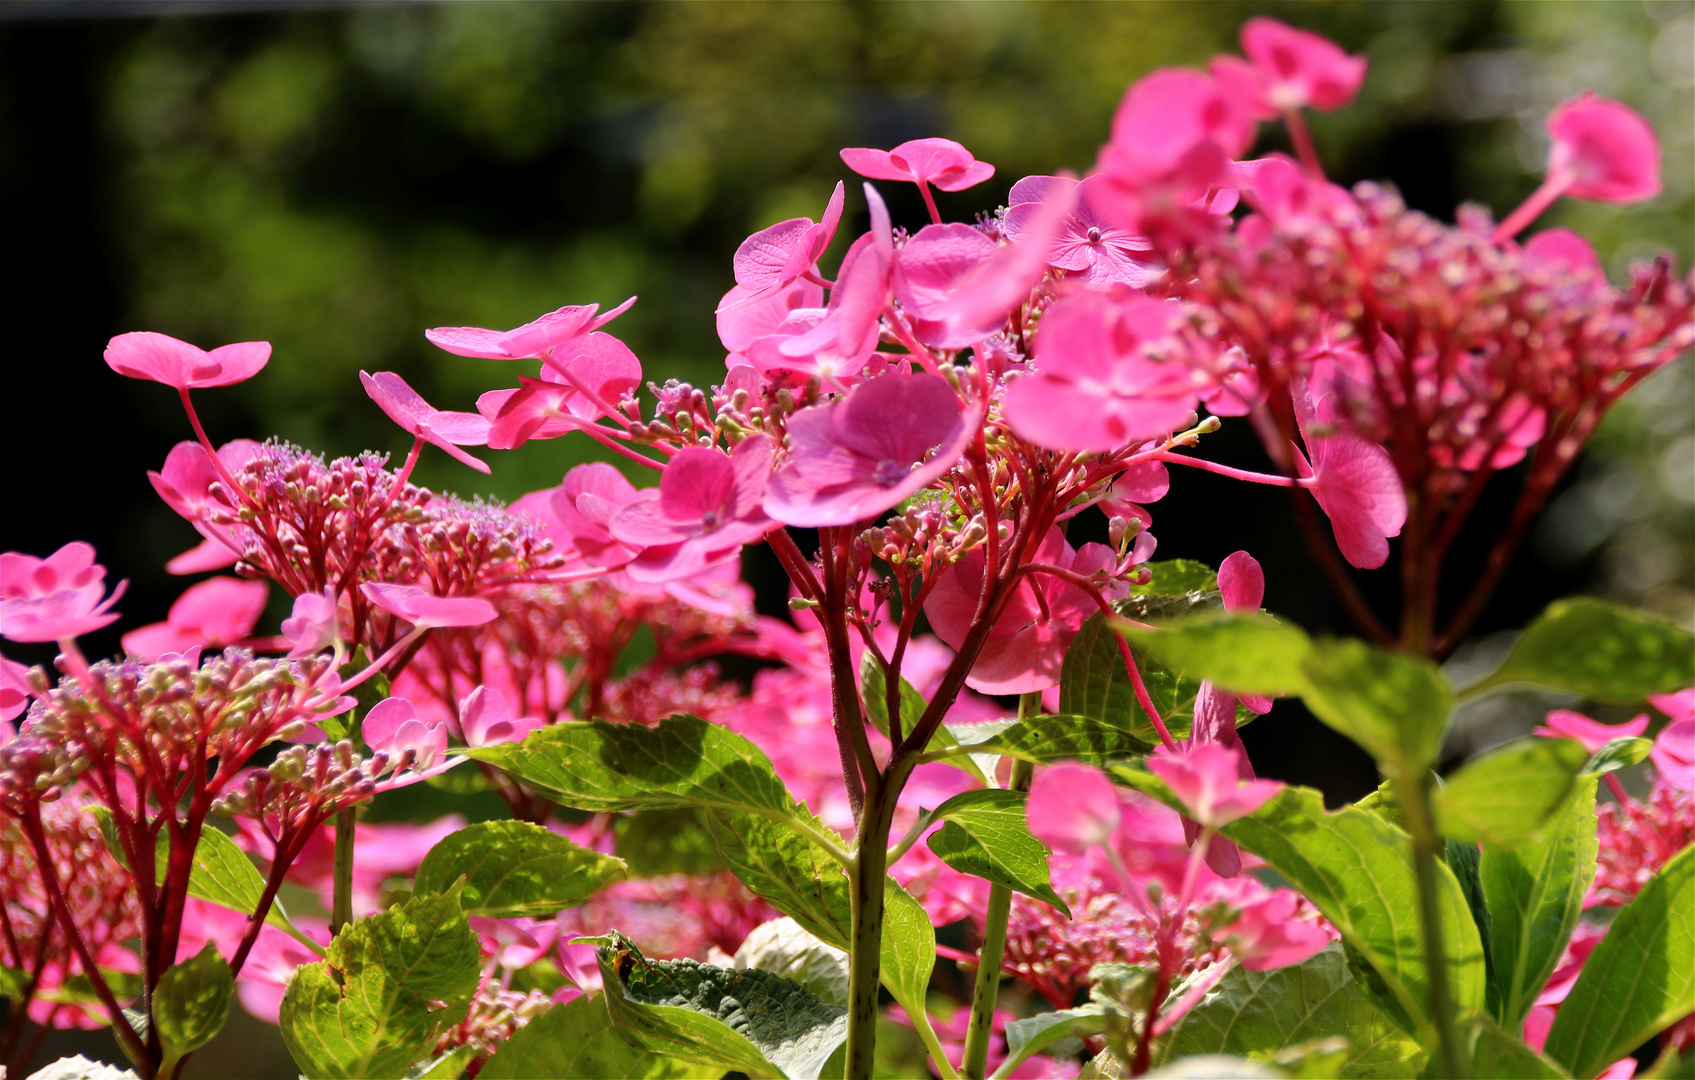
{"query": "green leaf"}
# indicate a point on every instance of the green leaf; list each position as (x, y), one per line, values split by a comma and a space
(513, 869)
(1254, 1013)
(1504, 796)
(1251, 654)
(1599, 650)
(670, 841)
(750, 1021)
(1037, 1033)
(1640, 978)
(1046, 739)
(1180, 577)
(785, 948)
(574, 1040)
(1356, 868)
(190, 1004)
(449, 1066)
(1216, 1067)
(1094, 684)
(1393, 705)
(1464, 860)
(986, 835)
(1535, 894)
(874, 689)
(684, 761)
(388, 986)
(1498, 1055)
(1618, 754)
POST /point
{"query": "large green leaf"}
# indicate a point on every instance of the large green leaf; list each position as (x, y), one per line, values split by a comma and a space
(749, 1020)
(1037, 1033)
(986, 835)
(784, 947)
(576, 1040)
(514, 868)
(1499, 1055)
(1599, 650)
(674, 840)
(1395, 706)
(1094, 684)
(190, 1004)
(1535, 894)
(1504, 796)
(1356, 868)
(389, 985)
(1251, 654)
(1255, 1013)
(1640, 978)
(1046, 739)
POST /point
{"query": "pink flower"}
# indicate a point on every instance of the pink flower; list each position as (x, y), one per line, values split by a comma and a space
(838, 343)
(707, 506)
(1206, 781)
(942, 162)
(1674, 754)
(776, 257)
(869, 450)
(1291, 200)
(575, 388)
(928, 269)
(273, 962)
(54, 598)
(1104, 376)
(216, 612)
(392, 727)
(313, 625)
(146, 355)
(1073, 808)
(14, 692)
(1565, 724)
(1678, 706)
(744, 319)
(204, 556)
(1355, 483)
(1027, 646)
(539, 339)
(1603, 150)
(1266, 934)
(448, 430)
(424, 610)
(486, 719)
(1565, 248)
(1088, 245)
(1290, 69)
(584, 505)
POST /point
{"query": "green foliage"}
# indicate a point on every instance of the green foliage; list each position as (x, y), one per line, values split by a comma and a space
(1255, 1013)
(1036, 1033)
(190, 1004)
(1180, 578)
(1599, 650)
(1535, 894)
(574, 1040)
(986, 835)
(514, 868)
(675, 840)
(1251, 654)
(1640, 977)
(1618, 754)
(1046, 739)
(1395, 706)
(1504, 796)
(1093, 684)
(386, 989)
(784, 947)
(750, 1021)
(1355, 867)
(1499, 1055)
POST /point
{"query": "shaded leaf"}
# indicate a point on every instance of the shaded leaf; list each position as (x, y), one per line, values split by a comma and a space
(1504, 796)
(1393, 705)
(986, 835)
(575, 1040)
(1046, 739)
(1499, 1055)
(513, 869)
(1037, 1033)
(1618, 754)
(1180, 577)
(1251, 654)
(675, 840)
(1599, 650)
(785, 948)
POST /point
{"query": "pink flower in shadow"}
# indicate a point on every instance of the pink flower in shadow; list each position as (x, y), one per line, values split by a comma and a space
(486, 719)
(1266, 934)
(216, 612)
(425, 610)
(54, 598)
(1207, 782)
(1073, 808)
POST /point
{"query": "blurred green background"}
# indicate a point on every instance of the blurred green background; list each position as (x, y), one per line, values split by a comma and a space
(335, 178)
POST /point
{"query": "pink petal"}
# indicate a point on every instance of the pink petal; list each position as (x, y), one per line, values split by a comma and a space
(383, 721)
(207, 555)
(164, 359)
(1301, 68)
(426, 610)
(1072, 808)
(1241, 582)
(1357, 486)
(1609, 150)
(1565, 724)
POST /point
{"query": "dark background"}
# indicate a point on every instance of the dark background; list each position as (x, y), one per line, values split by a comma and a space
(335, 179)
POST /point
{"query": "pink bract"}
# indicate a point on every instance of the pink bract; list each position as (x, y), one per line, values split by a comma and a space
(313, 624)
(54, 598)
(1072, 808)
(146, 355)
(392, 727)
(216, 612)
(1296, 69)
(1207, 782)
(707, 506)
(1089, 245)
(579, 385)
(928, 268)
(14, 692)
(448, 430)
(485, 719)
(1565, 724)
(869, 450)
(425, 610)
(941, 162)
(1674, 754)
(537, 339)
(1606, 149)
(781, 254)
(1267, 935)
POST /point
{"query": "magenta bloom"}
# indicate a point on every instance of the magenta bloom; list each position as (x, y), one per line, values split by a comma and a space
(1027, 646)
(869, 450)
(942, 162)
(707, 506)
(1674, 754)
(448, 430)
(1355, 483)
(1206, 781)
(1104, 376)
(539, 339)
(1565, 724)
(425, 610)
(584, 505)
(744, 319)
(1088, 245)
(393, 727)
(14, 693)
(780, 255)
(1289, 69)
(599, 371)
(485, 719)
(1604, 151)
(1073, 808)
(313, 625)
(1266, 933)
(146, 355)
(216, 612)
(928, 268)
(838, 344)
(54, 598)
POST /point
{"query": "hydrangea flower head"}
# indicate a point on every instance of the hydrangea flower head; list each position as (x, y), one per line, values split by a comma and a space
(706, 507)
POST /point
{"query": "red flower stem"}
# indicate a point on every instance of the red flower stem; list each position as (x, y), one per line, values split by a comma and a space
(929, 202)
(236, 490)
(1226, 470)
(1302, 138)
(282, 857)
(1530, 209)
(859, 767)
(405, 472)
